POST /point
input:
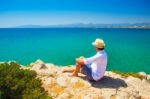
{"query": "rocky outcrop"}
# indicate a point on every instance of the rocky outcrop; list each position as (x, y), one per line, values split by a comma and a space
(60, 85)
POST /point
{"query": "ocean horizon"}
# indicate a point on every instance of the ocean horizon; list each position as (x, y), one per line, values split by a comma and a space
(127, 49)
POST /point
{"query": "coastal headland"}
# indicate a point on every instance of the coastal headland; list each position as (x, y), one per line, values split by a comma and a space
(114, 85)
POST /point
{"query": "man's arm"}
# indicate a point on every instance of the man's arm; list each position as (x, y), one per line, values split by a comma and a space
(91, 59)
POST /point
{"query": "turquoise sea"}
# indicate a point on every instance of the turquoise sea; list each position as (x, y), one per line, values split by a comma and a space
(128, 49)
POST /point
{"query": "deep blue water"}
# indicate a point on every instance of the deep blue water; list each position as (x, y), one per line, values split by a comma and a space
(128, 49)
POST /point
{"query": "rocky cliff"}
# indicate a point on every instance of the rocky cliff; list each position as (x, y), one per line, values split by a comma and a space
(60, 85)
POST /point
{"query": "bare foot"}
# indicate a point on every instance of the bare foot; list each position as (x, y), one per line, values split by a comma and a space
(75, 74)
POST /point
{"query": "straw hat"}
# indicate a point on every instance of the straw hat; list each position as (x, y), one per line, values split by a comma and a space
(99, 43)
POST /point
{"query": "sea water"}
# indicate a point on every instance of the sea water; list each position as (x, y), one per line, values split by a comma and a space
(128, 49)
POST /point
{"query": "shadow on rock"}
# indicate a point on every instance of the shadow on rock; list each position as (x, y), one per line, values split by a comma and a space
(109, 82)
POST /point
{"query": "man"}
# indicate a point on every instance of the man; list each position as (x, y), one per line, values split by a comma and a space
(93, 67)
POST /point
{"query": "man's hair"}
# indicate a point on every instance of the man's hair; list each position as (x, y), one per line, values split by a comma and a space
(101, 48)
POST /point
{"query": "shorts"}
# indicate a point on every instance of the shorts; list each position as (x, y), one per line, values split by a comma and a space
(87, 71)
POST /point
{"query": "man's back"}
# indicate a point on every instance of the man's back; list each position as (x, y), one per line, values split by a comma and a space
(98, 64)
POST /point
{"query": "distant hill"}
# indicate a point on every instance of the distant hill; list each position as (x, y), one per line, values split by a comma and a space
(90, 25)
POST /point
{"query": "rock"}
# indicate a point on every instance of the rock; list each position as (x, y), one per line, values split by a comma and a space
(38, 65)
(112, 74)
(144, 97)
(92, 96)
(112, 97)
(74, 80)
(61, 81)
(148, 77)
(39, 62)
(113, 86)
(131, 79)
(49, 80)
(63, 96)
(142, 74)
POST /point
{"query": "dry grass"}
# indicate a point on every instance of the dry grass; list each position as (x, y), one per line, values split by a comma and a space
(125, 75)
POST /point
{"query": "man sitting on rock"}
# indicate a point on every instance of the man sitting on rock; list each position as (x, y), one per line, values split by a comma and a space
(95, 66)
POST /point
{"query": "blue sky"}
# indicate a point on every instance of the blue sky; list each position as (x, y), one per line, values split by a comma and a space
(48, 12)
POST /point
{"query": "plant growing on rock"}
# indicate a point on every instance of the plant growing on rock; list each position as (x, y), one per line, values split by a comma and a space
(16, 83)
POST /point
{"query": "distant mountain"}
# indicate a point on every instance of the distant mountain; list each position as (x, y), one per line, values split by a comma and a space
(30, 26)
(90, 25)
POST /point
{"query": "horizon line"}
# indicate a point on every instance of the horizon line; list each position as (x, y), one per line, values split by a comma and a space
(79, 23)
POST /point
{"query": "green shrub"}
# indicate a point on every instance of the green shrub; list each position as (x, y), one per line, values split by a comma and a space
(16, 83)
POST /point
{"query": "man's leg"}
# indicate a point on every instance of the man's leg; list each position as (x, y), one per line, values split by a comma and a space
(69, 70)
(77, 69)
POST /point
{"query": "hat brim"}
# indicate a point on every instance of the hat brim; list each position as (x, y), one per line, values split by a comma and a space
(93, 43)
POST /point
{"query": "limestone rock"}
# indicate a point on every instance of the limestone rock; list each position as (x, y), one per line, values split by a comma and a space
(60, 85)
(148, 77)
(61, 81)
(38, 65)
(142, 74)
(63, 96)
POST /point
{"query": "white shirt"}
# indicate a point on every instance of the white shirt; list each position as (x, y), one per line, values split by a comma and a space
(98, 64)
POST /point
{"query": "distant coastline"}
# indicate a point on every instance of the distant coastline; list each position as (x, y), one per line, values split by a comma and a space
(88, 25)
